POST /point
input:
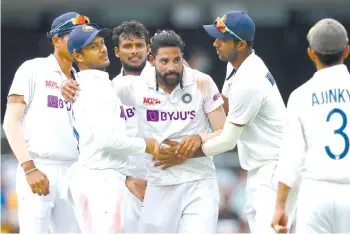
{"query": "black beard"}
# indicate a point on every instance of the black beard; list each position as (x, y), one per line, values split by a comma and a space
(130, 68)
(163, 78)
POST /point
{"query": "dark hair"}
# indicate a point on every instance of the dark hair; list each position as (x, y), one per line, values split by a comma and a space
(166, 38)
(130, 29)
(330, 59)
(249, 43)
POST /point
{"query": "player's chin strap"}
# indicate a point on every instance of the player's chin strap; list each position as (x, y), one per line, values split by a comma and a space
(226, 141)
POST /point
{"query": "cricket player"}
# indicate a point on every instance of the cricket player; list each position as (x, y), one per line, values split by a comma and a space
(255, 119)
(131, 40)
(96, 180)
(175, 102)
(316, 139)
(38, 126)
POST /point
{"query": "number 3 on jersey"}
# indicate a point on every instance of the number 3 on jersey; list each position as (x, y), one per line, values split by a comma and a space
(339, 131)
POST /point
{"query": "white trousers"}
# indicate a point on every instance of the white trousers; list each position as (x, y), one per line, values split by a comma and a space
(132, 212)
(38, 214)
(97, 197)
(323, 207)
(190, 207)
(261, 194)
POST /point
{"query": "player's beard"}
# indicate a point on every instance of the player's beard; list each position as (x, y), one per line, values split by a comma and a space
(130, 68)
(170, 82)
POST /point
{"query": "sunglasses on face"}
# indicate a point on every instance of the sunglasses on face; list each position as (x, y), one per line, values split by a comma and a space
(221, 26)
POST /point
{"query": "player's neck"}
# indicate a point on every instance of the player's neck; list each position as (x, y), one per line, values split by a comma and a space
(65, 64)
(238, 62)
(320, 66)
(132, 73)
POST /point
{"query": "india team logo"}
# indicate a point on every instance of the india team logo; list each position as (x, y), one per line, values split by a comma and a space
(187, 98)
(87, 28)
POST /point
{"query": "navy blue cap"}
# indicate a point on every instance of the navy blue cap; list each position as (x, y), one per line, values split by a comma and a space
(237, 22)
(66, 23)
(83, 35)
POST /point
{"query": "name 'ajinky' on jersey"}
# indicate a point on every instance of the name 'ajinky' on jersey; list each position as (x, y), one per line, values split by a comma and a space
(172, 116)
(316, 141)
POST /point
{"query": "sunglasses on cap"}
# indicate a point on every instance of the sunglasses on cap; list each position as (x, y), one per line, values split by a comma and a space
(68, 24)
(221, 26)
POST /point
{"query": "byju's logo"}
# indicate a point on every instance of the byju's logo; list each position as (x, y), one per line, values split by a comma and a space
(127, 113)
(156, 116)
(55, 102)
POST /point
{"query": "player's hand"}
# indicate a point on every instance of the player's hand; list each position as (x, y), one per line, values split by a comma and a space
(188, 146)
(69, 90)
(167, 156)
(37, 180)
(136, 186)
(152, 147)
(279, 221)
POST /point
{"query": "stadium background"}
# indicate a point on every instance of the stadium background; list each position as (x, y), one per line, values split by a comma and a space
(281, 28)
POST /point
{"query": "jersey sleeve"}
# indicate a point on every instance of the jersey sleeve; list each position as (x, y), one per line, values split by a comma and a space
(244, 103)
(23, 83)
(211, 94)
(124, 87)
(107, 126)
(293, 146)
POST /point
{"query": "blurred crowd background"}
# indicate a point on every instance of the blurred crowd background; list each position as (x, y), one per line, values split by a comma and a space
(281, 29)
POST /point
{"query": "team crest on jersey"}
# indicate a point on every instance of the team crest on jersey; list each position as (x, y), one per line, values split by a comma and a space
(87, 28)
(187, 98)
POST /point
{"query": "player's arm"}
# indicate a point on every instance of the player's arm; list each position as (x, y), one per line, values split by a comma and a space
(21, 93)
(245, 104)
(290, 162)
(125, 88)
(212, 106)
(105, 123)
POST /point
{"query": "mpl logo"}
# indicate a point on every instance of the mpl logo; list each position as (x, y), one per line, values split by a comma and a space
(55, 102)
(216, 97)
(51, 84)
(151, 101)
(156, 116)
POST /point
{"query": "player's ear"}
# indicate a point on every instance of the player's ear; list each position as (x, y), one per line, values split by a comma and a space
(241, 45)
(78, 57)
(346, 52)
(151, 59)
(148, 49)
(311, 54)
(116, 52)
(55, 41)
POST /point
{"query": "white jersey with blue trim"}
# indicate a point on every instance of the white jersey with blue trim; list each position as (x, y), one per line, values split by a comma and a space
(255, 101)
(317, 136)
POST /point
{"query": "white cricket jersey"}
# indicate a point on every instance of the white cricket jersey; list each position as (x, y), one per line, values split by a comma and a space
(99, 124)
(316, 140)
(255, 101)
(173, 116)
(227, 83)
(47, 122)
(135, 165)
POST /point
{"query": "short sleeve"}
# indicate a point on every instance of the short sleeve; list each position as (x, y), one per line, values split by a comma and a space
(124, 87)
(23, 83)
(211, 94)
(244, 103)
